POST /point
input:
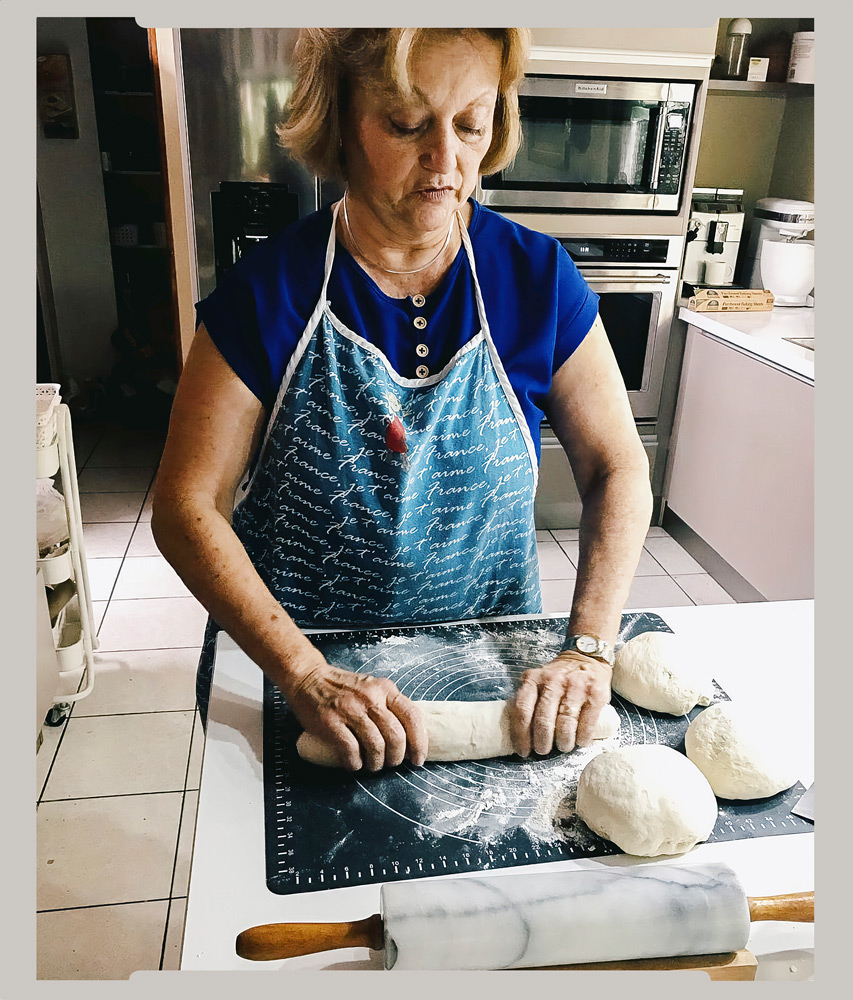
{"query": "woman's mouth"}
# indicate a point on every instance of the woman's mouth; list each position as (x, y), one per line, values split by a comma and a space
(433, 193)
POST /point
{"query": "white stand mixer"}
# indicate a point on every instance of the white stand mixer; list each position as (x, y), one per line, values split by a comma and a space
(778, 257)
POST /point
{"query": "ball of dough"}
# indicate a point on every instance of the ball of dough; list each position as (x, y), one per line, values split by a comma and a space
(744, 753)
(648, 799)
(654, 670)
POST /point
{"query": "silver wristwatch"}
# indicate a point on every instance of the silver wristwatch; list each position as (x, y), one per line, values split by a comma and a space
(591, 645)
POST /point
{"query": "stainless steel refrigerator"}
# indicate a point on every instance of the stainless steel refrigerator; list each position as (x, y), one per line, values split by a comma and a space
(237, 82)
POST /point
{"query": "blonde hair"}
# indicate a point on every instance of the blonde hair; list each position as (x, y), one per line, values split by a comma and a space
(330, 60)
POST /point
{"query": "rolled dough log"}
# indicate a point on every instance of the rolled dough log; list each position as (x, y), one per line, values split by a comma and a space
(742, 752)
(655, 670)
(648, 799)
(459, 730)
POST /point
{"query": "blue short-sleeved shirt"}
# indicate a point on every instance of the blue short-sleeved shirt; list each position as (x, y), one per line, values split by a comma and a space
(538, 307)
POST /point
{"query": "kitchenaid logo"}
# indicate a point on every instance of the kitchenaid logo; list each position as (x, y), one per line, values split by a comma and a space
(590, 88)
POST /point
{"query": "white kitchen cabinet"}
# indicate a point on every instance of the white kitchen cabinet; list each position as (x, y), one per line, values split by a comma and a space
(742, 464)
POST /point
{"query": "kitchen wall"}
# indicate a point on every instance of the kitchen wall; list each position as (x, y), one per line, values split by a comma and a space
(737, 149)
(76, 234)
(742, 137)
(793, 173)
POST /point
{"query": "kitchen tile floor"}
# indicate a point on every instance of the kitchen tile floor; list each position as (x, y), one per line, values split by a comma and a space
(118, 780)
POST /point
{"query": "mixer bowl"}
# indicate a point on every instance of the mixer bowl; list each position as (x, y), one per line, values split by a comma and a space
(787, 270)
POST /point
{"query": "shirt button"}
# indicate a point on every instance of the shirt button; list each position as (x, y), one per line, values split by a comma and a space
(420, 322)
(422, 371)
(422, 350)
(418, 300)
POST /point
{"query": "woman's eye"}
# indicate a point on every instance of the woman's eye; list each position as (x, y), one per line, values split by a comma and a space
(472, 130)
(405, 129)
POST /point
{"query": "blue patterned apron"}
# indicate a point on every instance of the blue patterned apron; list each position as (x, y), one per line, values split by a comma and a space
(380, 500)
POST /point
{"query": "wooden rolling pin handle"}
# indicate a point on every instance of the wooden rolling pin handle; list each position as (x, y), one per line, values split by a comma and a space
(797, 906)
(267, 942)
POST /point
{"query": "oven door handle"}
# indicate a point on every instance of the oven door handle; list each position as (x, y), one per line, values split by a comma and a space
(635, 279)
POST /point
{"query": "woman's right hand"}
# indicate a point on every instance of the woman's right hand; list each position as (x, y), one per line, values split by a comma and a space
(367, 720)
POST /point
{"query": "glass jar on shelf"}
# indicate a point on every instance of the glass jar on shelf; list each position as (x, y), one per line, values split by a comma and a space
(736, 62)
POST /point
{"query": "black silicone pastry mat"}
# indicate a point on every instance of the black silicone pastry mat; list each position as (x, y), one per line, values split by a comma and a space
(326, 828)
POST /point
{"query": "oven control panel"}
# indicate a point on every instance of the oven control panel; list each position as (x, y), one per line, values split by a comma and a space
(617, 250)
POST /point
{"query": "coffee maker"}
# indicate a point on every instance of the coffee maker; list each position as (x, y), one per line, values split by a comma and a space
(786, 222)
(714, 233)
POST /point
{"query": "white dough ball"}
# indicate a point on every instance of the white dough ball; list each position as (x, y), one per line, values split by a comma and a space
(744, 753)
(656, 670)
(647, 799)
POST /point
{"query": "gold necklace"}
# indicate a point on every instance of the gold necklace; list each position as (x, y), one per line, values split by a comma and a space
(364, 256)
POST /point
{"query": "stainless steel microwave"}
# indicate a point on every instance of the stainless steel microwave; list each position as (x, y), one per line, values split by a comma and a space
(597, 145)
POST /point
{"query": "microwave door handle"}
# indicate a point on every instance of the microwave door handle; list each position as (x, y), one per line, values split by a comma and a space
(659, 134)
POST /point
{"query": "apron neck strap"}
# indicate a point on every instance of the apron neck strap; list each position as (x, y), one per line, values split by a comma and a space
(330, 251)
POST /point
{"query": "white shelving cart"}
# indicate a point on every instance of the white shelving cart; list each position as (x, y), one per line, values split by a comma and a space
(63, 563)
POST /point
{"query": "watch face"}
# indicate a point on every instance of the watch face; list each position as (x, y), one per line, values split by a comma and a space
(586, 644)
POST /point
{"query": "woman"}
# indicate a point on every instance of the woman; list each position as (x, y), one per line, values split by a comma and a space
(382, 368)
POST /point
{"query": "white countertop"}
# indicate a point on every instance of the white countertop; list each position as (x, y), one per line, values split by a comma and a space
(228, 890)
(762, 334)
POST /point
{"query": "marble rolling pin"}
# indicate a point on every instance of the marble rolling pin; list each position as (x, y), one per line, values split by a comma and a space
(523, 921)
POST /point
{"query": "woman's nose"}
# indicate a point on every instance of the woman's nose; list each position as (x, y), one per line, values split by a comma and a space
(438, 153)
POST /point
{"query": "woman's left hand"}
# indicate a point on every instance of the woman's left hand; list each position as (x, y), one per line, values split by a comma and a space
(559, 703)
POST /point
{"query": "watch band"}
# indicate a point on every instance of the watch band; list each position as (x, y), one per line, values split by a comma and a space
(589, 645)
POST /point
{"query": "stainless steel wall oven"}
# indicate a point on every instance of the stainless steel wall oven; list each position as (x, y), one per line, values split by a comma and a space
(636, 280)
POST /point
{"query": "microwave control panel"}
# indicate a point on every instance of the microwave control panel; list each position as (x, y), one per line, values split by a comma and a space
(672, 150)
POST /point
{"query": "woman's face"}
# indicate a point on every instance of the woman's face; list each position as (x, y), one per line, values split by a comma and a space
(414, 161)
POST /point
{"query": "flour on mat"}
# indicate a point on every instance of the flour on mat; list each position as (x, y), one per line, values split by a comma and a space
(534, 796)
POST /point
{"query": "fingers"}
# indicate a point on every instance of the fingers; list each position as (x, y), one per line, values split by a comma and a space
(521, 714)
(371, 740)
(416, 737)
(545, 716)
(577, 714)
(557, 705)
(393, 736)
(565, 731)
(370, 722)
(346, 746)
(587, 723)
